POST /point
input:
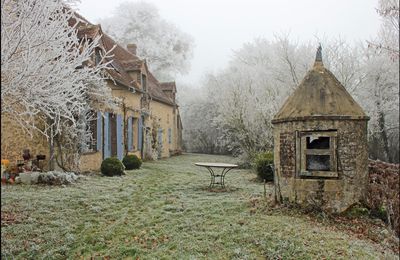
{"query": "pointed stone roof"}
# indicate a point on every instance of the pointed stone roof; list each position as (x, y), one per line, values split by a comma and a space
(319, 96)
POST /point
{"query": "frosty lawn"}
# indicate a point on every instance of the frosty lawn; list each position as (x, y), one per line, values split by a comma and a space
(164, 211)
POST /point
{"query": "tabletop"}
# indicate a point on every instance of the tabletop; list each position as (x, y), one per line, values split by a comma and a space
(217, 165)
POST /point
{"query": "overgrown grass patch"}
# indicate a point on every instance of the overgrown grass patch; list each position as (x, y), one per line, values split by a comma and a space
(165, 211)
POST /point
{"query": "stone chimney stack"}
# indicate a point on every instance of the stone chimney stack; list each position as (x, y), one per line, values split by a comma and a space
(131, 48)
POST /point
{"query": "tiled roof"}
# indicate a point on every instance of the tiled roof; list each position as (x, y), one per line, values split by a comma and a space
(78, 19)
(168, 86)
(123, 62)
(88, 30)
(155, 91)
(132, 65)
(119, 54)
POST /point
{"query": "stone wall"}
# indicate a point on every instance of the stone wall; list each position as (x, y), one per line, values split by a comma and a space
(90, 162)
(287, 154)
(165, 118)
(14, 140)
(335, 194)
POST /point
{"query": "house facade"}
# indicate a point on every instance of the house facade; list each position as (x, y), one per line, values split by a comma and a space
(146, 121)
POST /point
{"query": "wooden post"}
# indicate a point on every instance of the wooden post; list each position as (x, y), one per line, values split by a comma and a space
(265, 188)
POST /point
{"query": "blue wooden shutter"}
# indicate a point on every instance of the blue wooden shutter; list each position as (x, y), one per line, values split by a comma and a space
(140, 133)
(130, 141)
(169, 135)
(106, 136)
(160, 141)
(133, 134)
(120, 137)
(99, 131)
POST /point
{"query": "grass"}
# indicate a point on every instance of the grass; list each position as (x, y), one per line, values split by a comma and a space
(165, 211)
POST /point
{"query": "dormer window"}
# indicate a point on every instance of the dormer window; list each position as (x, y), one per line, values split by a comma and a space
(144, 82)
(317, 154)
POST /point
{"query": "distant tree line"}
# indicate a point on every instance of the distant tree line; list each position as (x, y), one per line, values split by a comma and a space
(232, 111)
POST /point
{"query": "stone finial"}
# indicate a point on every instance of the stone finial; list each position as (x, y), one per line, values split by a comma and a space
(318, 57)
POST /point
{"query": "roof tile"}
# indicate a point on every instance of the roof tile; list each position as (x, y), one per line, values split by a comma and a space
(123, 61)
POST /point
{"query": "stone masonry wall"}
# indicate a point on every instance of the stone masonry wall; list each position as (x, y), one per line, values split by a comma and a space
(165, 118)
(14, 140)
(334, 195)
(90, 162)
(287, 154)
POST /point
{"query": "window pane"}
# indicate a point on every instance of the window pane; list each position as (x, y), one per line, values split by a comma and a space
(318, 163)
(321, 142)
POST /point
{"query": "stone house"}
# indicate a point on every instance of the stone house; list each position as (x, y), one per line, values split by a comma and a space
(320, 137)
(146, 123)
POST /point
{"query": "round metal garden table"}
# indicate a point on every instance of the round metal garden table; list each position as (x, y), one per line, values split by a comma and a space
(226, 167)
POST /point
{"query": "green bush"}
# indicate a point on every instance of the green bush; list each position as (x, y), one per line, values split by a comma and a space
(112, 167)
(132, 162)
(264, 164)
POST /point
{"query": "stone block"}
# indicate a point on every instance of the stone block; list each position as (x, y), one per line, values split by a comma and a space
(29, 177)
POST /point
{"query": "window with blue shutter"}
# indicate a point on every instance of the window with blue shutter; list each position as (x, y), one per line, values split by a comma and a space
(160, 141)
(120, 137)
(99, 131)
(133, 133)
(91, 145)
(93, 126)
(130, 137)
(106, 136)
(140, 133)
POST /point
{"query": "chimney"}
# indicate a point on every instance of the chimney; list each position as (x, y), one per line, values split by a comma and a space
(131, 48)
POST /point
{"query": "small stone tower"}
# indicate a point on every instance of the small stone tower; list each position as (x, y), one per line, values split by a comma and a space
(320, 137)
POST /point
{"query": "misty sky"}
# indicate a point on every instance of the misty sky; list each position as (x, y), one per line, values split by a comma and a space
(220, 26)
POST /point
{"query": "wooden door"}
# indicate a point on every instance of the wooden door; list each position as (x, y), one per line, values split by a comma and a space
(113, 134)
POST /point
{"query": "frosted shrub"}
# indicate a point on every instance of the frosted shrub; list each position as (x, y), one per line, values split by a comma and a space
(132, 162)
(264, 163)
(57, 178)
(112, 167)
(383, 192)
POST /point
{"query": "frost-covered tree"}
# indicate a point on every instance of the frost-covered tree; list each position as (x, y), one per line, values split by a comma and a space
(262, 74)
(251, 90)
(380, 89)
(48, 83)
(380, 94)
(167, 49)
(239, 102)
(200, 133)
(346, 61)
(387, 40)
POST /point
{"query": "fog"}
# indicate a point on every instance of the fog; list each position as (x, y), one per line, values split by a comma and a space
(218, 27)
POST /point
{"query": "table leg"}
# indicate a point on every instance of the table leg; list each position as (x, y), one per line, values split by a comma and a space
(222, 177)
(212, 181)
(224, 172)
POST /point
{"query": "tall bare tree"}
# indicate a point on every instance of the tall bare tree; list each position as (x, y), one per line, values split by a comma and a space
(167, 49)
(48, 82)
